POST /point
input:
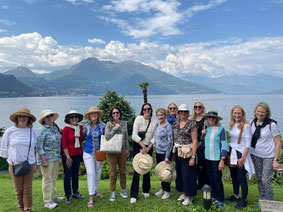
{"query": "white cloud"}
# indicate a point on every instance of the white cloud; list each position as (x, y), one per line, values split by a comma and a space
(153, 17)
(96, 41)
(214, 58)
(79, 2)
(7, 22)
(3, 30)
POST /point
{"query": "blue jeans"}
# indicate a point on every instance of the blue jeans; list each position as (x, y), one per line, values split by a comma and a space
(71, 173)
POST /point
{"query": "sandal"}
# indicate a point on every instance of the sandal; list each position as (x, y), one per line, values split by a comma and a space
(90, 202)
(98, 195)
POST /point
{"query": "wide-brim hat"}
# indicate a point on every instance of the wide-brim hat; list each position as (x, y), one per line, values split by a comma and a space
(213, 113)
(93, 110)
(47, 112)
(165, 171)
(22, 112)
(183, 107)
(142, 163)
(73, 112)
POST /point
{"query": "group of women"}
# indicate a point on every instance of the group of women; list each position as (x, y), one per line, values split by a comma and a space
(196, 142)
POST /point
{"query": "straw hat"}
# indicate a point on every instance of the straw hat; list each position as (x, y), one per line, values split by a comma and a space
(22, 112)
(142, 163)
(73, 112)
(213, 113)
(165, 172)
(183, 107)
(93, 110)
(47, 112)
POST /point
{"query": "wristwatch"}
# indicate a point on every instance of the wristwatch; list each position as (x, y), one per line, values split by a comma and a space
(276, 159)
(223, 159)
(193, 156)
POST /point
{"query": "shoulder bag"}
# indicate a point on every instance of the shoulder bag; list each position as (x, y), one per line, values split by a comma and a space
(113, 145)
(100, 156)
(24, 167)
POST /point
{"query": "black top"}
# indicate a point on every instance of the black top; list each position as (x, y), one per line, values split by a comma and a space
(200, 127)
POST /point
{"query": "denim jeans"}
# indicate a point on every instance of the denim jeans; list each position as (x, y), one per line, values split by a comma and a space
(71, 173)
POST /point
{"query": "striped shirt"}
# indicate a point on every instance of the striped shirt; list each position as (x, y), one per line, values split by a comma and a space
(215, 143)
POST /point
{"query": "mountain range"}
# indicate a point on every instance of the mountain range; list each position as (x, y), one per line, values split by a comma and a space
(92, 77)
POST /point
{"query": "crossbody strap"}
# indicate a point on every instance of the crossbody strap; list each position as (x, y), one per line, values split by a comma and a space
(92, 138)
(148, 125)
(29, 143)
(240, 136)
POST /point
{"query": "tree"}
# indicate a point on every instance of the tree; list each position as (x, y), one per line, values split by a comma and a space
(144, 85)
(3, 163)
(111, 99)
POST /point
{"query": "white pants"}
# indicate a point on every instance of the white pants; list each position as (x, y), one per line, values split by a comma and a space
(93, 171)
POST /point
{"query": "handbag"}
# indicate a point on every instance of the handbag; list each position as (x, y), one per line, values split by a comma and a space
(228, 157)
(142, 134)
(113, 145)
(100, 156)
(24, 167)
(185, 151)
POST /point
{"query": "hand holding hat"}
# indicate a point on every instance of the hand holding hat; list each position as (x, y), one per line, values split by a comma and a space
(142, 163)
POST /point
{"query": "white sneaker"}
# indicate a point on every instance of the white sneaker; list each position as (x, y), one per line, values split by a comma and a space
(187, 201)
(166, 195)
(133, 200)
(159, 193)
(146, 195)
(181, 197)
(50, 205)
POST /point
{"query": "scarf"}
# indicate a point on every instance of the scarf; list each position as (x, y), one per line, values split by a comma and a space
(170, 119)
(256, 134)
(77, 134)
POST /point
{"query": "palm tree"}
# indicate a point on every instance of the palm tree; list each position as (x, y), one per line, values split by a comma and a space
(144, 85)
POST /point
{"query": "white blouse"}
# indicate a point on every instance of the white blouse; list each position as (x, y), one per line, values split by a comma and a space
(15, 145)
(265, 146)
(140, 125)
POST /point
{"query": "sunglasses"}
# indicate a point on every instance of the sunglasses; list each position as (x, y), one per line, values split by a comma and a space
(211, 117)
(197, 107)
(74, 117)
(183, 111)
(146, 109)
(51, 115)
(115, 113)
(172, 108)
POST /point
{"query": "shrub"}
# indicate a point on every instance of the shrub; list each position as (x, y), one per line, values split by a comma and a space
(3, 163)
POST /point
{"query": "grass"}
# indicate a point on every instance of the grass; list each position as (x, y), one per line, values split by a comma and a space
(9, 203)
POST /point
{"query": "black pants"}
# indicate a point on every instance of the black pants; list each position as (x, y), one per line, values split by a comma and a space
(215, 178)
(201, 171)
(136, 177)
(71, 173)
(238, 176)
(164, 185)
(186, 180)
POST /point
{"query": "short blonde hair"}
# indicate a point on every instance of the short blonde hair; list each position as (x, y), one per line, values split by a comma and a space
(265, 106)
(161, 110)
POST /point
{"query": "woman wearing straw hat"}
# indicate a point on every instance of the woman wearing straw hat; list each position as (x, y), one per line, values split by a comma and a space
(48, 156)
(18, 143)
(163, 145)
(72, 136)
(185, 145)
(113, 127)
(93, 131)
(143, 136)
(215, 153)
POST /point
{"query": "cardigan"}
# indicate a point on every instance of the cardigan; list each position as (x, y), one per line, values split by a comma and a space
(97, 132)
(164, 139)
(68, 141)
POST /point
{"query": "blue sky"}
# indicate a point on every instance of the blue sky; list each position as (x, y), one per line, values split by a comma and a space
(207, 37)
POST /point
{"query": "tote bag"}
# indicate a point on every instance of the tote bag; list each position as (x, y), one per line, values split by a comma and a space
(113, 145)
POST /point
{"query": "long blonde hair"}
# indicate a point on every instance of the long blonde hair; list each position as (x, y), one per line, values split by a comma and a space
(168, 111)
(193, 114)
(243, 120)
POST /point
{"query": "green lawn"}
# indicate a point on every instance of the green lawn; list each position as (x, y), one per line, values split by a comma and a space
(8, 200)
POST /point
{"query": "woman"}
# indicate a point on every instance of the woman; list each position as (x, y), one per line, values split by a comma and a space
(185, 142)
(197, 115)
(17, 146)
(93, 131)
(265, 149)
(72, 136)
(240, 132)
(143, 136)
(49, 156)
(163, 145)
(113, 127)
(171, 112)
(215, 153)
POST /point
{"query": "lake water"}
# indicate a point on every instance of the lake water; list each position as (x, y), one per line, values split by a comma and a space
(62, 105)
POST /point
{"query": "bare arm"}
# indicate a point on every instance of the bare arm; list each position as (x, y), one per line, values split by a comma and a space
(277, 142)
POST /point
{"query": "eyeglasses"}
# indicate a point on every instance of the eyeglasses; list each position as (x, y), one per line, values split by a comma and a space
(115, 113)
(172, 108)
(198, 107)
(74, 117)
(146, 109)
(51, 115)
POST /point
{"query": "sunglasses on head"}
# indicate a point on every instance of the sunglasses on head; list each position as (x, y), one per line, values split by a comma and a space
(172, 108)
(197, 107)
(113, 113)
(146, 109)
(51, 115)
(74, 117)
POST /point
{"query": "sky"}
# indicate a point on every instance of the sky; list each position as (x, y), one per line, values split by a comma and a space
(181, 37)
